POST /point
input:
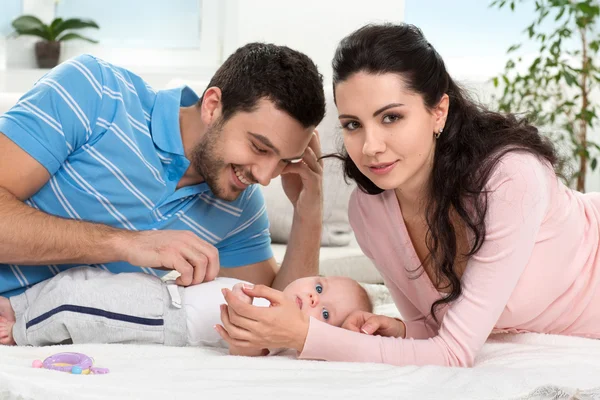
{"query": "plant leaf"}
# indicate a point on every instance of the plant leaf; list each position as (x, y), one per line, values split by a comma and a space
(74, 23)
(72, 36)
(27, 23)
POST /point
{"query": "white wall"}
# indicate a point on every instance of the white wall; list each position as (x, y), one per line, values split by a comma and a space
(312, 26)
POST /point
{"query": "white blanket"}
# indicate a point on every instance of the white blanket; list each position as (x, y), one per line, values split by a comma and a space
(509, 367)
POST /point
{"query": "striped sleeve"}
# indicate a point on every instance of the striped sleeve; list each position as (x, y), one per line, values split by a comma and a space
(57, 116)
(249, 241)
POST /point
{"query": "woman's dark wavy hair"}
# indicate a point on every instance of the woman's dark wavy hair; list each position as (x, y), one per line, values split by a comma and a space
(473, 141)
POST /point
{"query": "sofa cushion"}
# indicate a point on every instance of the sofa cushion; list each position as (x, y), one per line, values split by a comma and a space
(336, 192)
(7, 100)
(340, 261)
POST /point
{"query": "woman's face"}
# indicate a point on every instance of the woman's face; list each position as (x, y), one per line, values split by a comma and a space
(388, 131)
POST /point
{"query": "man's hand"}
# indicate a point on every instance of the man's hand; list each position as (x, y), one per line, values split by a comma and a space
(196, 260)
(303, 181)
(372, 324)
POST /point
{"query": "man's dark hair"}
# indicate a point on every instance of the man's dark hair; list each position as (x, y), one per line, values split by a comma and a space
(286, 77)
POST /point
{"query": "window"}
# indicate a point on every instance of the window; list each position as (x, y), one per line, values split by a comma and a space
(139, 23)
(471, 37)
(177, 36)
(11, 9)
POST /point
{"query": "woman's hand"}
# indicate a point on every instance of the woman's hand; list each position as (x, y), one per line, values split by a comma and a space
(372, 324)
(247, 326)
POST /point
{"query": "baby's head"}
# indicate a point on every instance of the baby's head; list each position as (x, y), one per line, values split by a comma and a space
(329, 299)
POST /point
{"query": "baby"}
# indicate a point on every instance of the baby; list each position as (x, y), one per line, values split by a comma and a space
(90, 305)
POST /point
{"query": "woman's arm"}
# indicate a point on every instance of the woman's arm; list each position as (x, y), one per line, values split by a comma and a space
(517, 203)
(417, 325)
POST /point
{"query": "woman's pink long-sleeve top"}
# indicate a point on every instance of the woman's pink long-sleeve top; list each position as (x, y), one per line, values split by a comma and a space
(537, 271)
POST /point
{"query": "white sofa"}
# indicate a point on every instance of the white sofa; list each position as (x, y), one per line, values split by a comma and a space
(346, 257)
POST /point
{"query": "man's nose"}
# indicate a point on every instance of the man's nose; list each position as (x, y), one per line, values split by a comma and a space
(264, 172)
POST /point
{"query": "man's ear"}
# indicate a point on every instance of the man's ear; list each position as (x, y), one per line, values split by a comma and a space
(211, 107)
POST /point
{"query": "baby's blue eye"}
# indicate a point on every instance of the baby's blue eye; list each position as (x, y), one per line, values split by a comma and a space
(319, 288)
(325, 314)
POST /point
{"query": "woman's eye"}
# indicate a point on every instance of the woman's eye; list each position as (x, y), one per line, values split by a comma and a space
(389, 118)
(325, 314)
(258, 149)
(351, 126)
(319, 288)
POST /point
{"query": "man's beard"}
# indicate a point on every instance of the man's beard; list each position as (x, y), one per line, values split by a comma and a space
(208, 164)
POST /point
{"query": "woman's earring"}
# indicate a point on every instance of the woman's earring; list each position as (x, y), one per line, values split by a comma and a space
(437, 135)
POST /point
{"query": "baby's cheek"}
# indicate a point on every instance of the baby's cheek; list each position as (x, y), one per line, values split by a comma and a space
(315, 313)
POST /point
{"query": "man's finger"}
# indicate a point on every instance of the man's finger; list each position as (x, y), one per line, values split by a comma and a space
(186, 271)
(199, 262)
(311, 160)
(315, 145)
(212, 255)
(214, 264)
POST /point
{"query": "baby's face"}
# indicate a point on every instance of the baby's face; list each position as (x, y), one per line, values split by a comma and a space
(329, 299)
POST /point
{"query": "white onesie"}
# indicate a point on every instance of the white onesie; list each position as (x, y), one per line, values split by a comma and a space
(202, 307)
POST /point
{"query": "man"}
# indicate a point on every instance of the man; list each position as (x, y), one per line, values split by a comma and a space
(97, 168)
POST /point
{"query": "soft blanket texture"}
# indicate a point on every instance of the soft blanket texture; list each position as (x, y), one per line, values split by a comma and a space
(527, 366)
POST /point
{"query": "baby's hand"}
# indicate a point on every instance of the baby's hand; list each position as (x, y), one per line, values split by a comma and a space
(237, 290)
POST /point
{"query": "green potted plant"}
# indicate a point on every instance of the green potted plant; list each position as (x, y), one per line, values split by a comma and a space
(47, 50)
(557, 89)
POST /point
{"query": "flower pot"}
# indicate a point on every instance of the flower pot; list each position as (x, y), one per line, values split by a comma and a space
(47, 54)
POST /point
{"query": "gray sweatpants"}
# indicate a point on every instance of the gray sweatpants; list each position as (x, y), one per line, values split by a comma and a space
(89, 305)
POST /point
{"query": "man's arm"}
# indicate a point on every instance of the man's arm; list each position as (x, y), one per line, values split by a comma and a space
(301, 259)
(302, 252)
(303, 185)
(261, 273)
(29, 236)
(32, 237)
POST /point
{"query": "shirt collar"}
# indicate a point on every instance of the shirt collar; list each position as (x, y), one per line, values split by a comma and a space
(164, 124)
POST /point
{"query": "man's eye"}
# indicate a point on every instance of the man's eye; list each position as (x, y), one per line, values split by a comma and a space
(319, 288)
(258, 149)
(325, 314)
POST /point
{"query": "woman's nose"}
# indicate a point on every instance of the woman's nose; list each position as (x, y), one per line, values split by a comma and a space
(373, 143)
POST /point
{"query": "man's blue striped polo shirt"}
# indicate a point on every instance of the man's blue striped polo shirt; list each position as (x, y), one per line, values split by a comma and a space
(113, 148)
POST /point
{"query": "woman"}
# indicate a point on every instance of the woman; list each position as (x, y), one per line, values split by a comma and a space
(458, 207)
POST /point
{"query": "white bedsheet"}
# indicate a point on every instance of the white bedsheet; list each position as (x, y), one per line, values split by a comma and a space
(510, 366)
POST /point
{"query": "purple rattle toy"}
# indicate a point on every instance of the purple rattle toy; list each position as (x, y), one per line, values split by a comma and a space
(75, 363)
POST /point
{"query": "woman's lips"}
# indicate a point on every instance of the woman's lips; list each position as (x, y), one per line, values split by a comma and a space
(382, 169)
